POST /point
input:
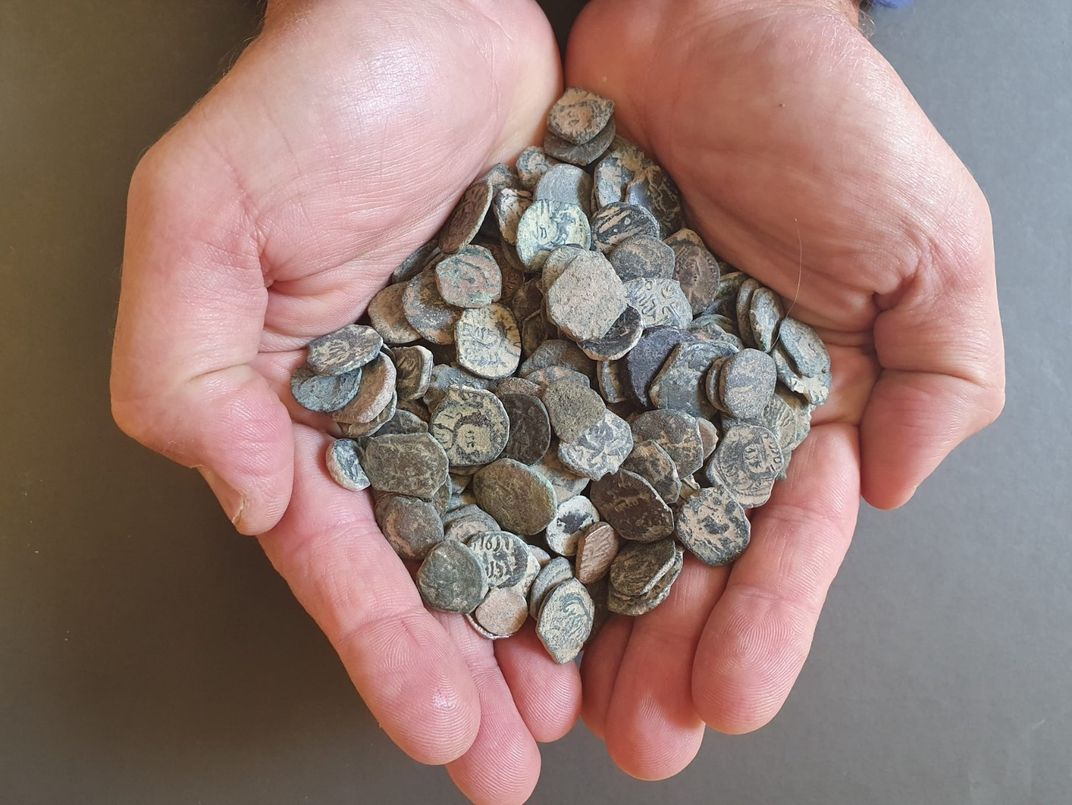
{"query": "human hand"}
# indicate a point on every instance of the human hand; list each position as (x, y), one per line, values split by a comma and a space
(803, 160)
(270, 215)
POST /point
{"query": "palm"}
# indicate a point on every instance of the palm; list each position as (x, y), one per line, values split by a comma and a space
(799, 157)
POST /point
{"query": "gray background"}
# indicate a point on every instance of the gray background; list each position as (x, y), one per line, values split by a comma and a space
(149, 655)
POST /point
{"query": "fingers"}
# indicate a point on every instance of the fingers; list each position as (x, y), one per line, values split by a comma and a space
(652, 729)
(547, 695)
(760, 631)
(344, 573)
(940, 345)
(503, 763)
(599, 671)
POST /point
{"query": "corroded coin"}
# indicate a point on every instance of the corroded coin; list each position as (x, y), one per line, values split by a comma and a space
(464, 528)
(467, 217)
(572, 408)
(609, 379)
(445, 377)
(680, 382)
(813, 389)
(608, 180)
(344, 350)
(509, 205)
(534, 331)
(579, 115)
(571, 518)
(502, 613)
(387, 316)
(652, 463)
(528, 299)
(377, 389)
(504, 555)
(622, 336)
(659, 302)
(641, 257)
(600, 449)
(743, 305)
(488, 341)
(640, 565)
(565, 620)
(411, 525)
(568, 184)
(344, 465)
(545, 226)
(471, 425)
(552, 574)
(644, 360)
(804, 348)
(532, 163)
(403, 422)
(586, 299)
(748, 460)
(713, 526)
(324, 393)
(470, 278)
(618, 222)
(530, 428)
(708, 436)
(677, 433)
(426, 311)
(583, 154)
(635, 606)
(558, 352)
(470, 511)
(419, 259)
(405, 463)
(516, 495)
(765, 313)
(632, 506)
(565, 483)
(516, 385)
(501, 177)
(413, 370)
(452, 578)
(655, 191)
(355, 430)
(557, 262)
(746, 383)
(697, 271)
(597, 546)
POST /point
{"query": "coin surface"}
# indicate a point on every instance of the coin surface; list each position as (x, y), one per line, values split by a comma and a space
(558, 352)
(344, 465)
(344, 350)
(374, 395)
(743, 305)
(468, 215)
(677, 433)
(610, 381)
(565, 620)
(804, 348)
(698, 272)
(324, 393)
(713, 526)
(639, 566)
(618, 222)
(638, 605)
(572, 408)
(504, 555)
(452, 578)
(765, 313)
(502, 613)
(599, 449)
(556, 571)
(586, 299)
(632, 506)
(571, 518)
(597, 546)
(488, 341)
(509, 205)
(405, 463)
(582, 154)
(643, 361)
(356, 430)
(680, 382)
(413, 371)
(516, 495)
(530, 428)
(652, 463)
(545, 226)
(622, 336)
(471, 278)
(411, 525)
(471, 425)
(418, 260)
(532, 163)
(389, 319)
(748, 459)
(568, 184)
(641, 257)
(565, 483)
(579, 115)
(426, 311)
(659, 302)
(746, 383)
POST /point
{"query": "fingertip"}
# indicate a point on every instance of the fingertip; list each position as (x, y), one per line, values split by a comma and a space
(547, 695)
(660, 751)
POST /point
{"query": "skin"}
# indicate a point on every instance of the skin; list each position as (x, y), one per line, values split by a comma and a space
(340, 141)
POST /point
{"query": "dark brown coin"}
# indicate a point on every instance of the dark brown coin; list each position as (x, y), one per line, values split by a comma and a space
(558, 352)
(568, 184)
(403, 422)
(488, 341)
(411, 525)
(565, 483)
(655, 191)
(632, 506)
(552, 574)
(635, 606)
(600, 449)
(639, 566)
(652, 463)
(677, 433)
(804, 348)
(377, 389)
(502, 613)
(471, 425)
(530, 428)
(388, 317)
(746, 383)
(698, 272)
(611, 384)
(622, 336)
(597, 546)
(532, 163)
(452, 578)
(516, 495)
(504, 555)
(324, 393)
(659, 302)
(421, 258)
(579, 115)
(470, 278)
(584, 154)
(644, 360)
(748, 459)
(545, 226)
(571, 518)
(344, 350)
(344, 465)
(764, 315)
(565, 620)
(509, 205)
(405, 463)
(467, 217)
(616, 223)
(713, 526)
(642, 257)
(426, 311)
(572, 408)
(528, 299)
(534, 331)
(680, 382)
(413, 368)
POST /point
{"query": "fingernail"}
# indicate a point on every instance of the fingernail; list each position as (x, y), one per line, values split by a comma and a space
(230, 500)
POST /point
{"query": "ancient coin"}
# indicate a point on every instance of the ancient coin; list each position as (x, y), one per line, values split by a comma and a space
(599, 591)
(470, 278)
(712, 383)
(659, 301)
(644, 360)
(545, 226)
(470, 512)
(377, 389)
(813, 389)
(572, 409)
(743, 305)
(509, 205)
(586, 300)
(344, 350)
(557, 262)
(565, 483)
(748, 460)
(597, 546)
(501, 177)
(344, 465)
(504, 555)
(534, 331)
(502, 613)
(682, 238)
(765, 313)
(677, 433)
(527, 300)
(680, 382)
(532, 163)
(452, 578)
(512, 275)
(579, 115)
(609, 379)
(532, 570)
(444, 377)
(635, 606)
(324, 393)
(632, 506)
(355, 430)
(789, 416)
(713, 526)
(530, 428)
(542, 556)
(642, 257)
(708, 436)
(552, 574)
(557, 374)
(640, 565)
(600, 449)
(655, 191)
(619, 222)
(488, 341)
(419, 259)
(471, 425)
(583, 154)
(608, 181)
(403, 422)
(565, 620)
(388, 317)
(804, 348)
(558, 352)
(405, 463)
(652, 463)
(516, 495)
(622, 336)
(571, 518)
(516, 385)
(468, 215)
(746, 383)
(411, 525)
(426, 311)
(697, 271)
(464, 528)
(413, 370)
(568, 184)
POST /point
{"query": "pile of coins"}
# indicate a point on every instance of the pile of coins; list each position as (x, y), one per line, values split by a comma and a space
(565, 391)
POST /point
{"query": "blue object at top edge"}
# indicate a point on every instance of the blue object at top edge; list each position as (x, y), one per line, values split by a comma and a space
(891, 3)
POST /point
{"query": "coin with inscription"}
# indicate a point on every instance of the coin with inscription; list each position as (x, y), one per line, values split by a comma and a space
(579, 115)
(532, 163)
(445, 377)
(324, 393)
(743, 306)
(597, 546)
(583, 154)
(698, 272)
(530, 428)
(516, 495)
(377, 389)
(556, 571)
(452, 578)
(403, 422)
(344, 465)
(655, 191)
(426, 311)
(640, 565)
(712, 524)
(652, 463)
(748, 459)
(468, 215)
(488, 341)
(344, 350)
(405, 463)
(659, 302)
(568, 184)
(616, 223)
(571, 518)
(565, 620)
(413, 370)
(632, 506)
(641, 257)
(470, 278)
(608, 180)
(411, 525)
(471, 425)
(545, 226)
(504, 555)
(599, 449)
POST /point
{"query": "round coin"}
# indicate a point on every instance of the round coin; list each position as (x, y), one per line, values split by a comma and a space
(572, 408)
(618, 222)
(597, 546)
(413, 371)
(748, 460)
(505, 556)
(599, 449)
(426, 311)
(516, 495)
(622, 336)
(488, 341)
(586, 300)
(677, 433)
(405, 463)
(713, 526)
(582, 154)
(470, 278)
(344, 465)
(324, 393)
(746, 383)
(452, 578)
(388, 318)
(640, 565)
(344, 350)
(530, 428)
(633, 507)
(411, 525)
(374, 395)
(471, 425)
(545, 226)
(641, 257)
(502, 613)
(579, 115)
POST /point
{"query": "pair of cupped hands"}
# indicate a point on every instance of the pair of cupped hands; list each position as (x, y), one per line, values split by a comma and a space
(341, 139)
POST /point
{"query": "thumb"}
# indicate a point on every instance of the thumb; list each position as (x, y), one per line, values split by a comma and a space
(191, 314)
